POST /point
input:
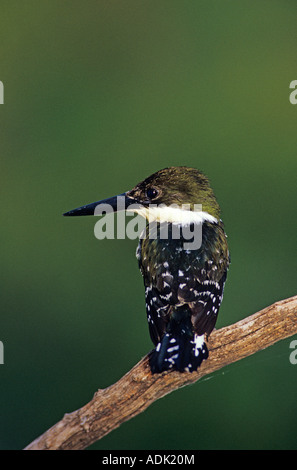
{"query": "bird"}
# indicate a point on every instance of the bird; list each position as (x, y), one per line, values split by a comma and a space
(183, 278)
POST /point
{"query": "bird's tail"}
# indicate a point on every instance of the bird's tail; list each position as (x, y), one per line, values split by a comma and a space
(180, 352)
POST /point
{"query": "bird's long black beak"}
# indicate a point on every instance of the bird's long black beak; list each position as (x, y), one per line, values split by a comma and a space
(112, 204)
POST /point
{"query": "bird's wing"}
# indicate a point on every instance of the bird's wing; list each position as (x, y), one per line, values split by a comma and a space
(158, 313)
(204, 297)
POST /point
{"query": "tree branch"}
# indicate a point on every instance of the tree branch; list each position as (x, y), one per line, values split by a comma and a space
(134, 392)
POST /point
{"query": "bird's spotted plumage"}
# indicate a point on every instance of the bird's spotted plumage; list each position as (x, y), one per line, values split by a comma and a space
(183, 292)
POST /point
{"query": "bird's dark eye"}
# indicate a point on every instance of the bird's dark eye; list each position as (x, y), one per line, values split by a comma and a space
(152, 193)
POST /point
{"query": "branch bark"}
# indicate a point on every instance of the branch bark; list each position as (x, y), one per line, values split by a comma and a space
(134, 392)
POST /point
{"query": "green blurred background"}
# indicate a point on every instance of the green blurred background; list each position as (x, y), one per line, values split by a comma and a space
(98, 95)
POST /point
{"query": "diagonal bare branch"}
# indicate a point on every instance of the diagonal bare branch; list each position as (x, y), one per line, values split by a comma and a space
(134, 392)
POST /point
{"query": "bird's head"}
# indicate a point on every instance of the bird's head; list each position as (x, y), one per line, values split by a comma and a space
(167, 195)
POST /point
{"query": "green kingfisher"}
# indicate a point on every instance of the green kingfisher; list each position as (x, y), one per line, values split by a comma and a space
(183, 278)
